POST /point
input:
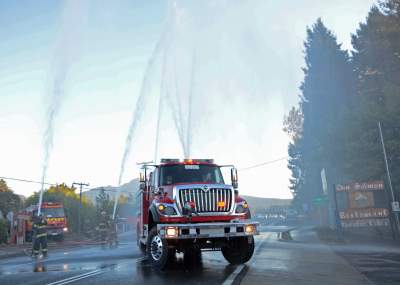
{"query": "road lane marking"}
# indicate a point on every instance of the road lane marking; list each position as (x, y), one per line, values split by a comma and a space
(233, 275)
(231, 278)
(77, 279)
(83, 277)
(90, 274)
(74, 277)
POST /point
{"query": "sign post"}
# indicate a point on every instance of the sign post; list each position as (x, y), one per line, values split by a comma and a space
(396, 216)
(324, 182)
(338, 225)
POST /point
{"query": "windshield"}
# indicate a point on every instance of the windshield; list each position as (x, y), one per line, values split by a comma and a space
(190, 173)
(52, 212)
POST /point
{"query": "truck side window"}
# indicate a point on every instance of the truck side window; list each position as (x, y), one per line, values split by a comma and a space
(151, 182)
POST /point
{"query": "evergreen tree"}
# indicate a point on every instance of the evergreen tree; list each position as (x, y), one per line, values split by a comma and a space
(103, 202)
(376, 59)
(325, 94)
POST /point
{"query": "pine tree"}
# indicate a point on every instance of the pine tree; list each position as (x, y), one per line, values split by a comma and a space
(376, 59)
(325, 95)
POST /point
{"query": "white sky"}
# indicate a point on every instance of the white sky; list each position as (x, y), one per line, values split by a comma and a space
(238, 121)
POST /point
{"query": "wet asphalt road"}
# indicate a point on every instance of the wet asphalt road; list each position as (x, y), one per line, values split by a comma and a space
(303, 261)
(123, 265)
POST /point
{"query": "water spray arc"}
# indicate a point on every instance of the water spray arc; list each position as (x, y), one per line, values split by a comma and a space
(206, 61)
(160, 106)
(141, 103)
(189, 130)
(139, 108)
(57, 94)
(65, 54)
(137, 114)
(174, 102)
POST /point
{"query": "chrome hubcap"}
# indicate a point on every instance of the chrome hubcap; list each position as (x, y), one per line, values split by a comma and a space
(156, 248)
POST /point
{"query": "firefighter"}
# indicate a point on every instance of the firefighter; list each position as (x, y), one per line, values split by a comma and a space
(103, 227)
(39, 235)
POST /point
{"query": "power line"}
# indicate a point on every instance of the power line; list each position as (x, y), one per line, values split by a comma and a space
(264, 163)
(51, 184)
(33, 181)
(316, 147)
(26, 180)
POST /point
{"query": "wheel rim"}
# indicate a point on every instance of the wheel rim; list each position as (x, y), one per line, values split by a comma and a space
(156, 248)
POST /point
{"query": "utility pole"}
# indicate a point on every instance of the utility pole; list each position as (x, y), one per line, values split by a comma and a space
(338, 224)
(388, 176)
(80, 203)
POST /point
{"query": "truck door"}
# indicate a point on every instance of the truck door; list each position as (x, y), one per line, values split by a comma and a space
(143, 200)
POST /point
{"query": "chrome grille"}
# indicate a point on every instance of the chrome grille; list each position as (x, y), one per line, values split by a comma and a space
(207, 200)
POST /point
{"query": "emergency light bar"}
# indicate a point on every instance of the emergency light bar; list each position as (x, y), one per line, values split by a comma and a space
(169, 160)
(188, 160)
(206, 160)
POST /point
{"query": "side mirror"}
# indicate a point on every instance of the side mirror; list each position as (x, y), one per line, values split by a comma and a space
(142, 181)
(234, 178)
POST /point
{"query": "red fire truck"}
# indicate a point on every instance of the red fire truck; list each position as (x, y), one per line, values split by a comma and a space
(186, 207)
(55, 216)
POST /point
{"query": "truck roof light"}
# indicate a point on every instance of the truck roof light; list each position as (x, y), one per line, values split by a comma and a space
(207, 160)
(186, 160)
(169, 160)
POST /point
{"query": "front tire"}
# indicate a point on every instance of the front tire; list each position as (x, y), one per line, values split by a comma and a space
(157, 250)
(239, 250)
(142, 248)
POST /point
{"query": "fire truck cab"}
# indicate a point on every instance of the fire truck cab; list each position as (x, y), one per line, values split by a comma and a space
(55, 216)
(186, 207)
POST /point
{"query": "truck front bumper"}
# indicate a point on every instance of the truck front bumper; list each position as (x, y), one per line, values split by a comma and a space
(208, 230)
(55, 232)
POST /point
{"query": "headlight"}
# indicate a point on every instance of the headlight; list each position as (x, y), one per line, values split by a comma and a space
(169, 211)
(65, 229)
(240, 209)
(172, 232)
(166, 210)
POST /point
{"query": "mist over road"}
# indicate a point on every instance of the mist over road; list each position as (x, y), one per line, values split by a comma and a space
(303, 261)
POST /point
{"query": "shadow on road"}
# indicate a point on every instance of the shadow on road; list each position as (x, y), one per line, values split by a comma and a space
(179, 269)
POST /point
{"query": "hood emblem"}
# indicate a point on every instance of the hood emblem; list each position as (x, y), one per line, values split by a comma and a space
(205, 188)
